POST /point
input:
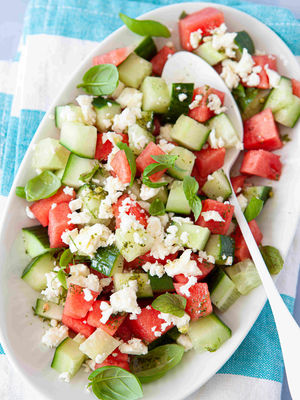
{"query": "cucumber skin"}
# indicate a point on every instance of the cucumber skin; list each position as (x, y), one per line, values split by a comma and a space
(105, 260)
(146, 48)
(39, 235)
(219, 284)
(178, 107)
(186, 160)
(134, 70)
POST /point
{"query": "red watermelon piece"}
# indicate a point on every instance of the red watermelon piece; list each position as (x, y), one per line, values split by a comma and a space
(159, 60)
(224, 210)
(135, 209)
(115, 57)
(261, 163)
(145, 159)
(111, 326)
(241, 249)
(76, 306)
(78, 325)
(238, 183)
(121, 167)
(198, 304)
(202, 113)
(296, 87)
(116, 359)
(58, 223)
(209, 160)
(263, 60)
(103, 150)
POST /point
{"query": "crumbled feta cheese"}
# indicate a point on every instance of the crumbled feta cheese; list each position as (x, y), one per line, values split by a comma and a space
(54, 287)
(65, 376)
(134, 346)
(100, 358)
(114, 188)
(68, 114)
(79, 270)
(215, 104)
(179, 322)
(243, 201)
(231, 78)
(195, 103)
(212, 216)
(184, 341)
(53, 323)
(273, 76)
(68, 190)
(89, 365)
(80, 275)
(53, 336)
(214, 141)
(131, 98)
(157, 334)
(244, 67)
(154, 269)
(220, 199)
(224, 41)
(195, 38)
(204, 256)
(29, 213)
(182, 96)
(165, 132)
(147, 192)
(80, 218)
(184, 237)
(210, 178)
(113, 137)
(166, 146)
(192, 280)
(75, 204)
(126, 119)
(183, 265)
(87, 294)
(89, 114)
(137, 238)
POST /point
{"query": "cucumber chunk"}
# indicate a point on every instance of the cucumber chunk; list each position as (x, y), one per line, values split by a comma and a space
(139, 138)
(223, 292)
(105, 111)
(59, 173)
(208, 333)
(67, 357)
(36, 240)
(146, 48)
(289, 115)
(181, 97)
(99, 343)
(223, 130)
(134, 70)
(91, 198)
(209, 54)
(218, 186)
(190, 133)
(260, 192)
(156, 96)
(144, 286)
(244, 41)
(76, 166)
(48, 310)
(66, 113)
(146, 120)
(49, 154)
(128, 246)
(221, 247)
(244, 275)
(185, 161)
(177, 201)
(160, 285)
(197, 236)
(250, 100)
(280, 96)
(108, 261)
(35, 272)
(80, 139)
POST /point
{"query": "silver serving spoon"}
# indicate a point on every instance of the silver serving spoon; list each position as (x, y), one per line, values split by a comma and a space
(187, 67)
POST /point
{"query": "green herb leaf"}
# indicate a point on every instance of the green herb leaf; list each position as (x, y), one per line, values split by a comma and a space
(145, 27)
(190, 188)
(100, 80)
(163, 161)
(131, 160)
(157, 207)
(20, 192)
(166, 159)
(253, 208)
(156, 362)
(61, 276)
(272, 258)
(170, 303)
(114, 383)
(183, 15)
(42, 186)
(66, 258)
(86, 177)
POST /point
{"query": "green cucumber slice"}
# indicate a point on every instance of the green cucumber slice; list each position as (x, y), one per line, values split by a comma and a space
(35, 272)
(156, 96)
(139, 138)
(146, 48)
(185, 161)
(144, 286)
(48, 310)
(250, 100)
(208, 333)
(80, 139)
(146, 120)
(244, 275)
(217, 186)
(190, 133)
(197, 236)
(49, 154)
(91, 198)
(67, 357)
(105, 109)
(221, 247)
(98, 343)
(129, 247)
(66, 113)
(76, 166)
(209, 54)
(134, 70)
(36, 240)
(281, 96)
(289, 115)
(160, 285)
(260, 192)
(181, 97)
(223, 129)
(223, 292)
(177, 201)
(108, 261)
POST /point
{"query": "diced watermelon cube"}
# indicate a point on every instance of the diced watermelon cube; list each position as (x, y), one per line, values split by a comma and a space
(115, 57)
(261, 132)
(148, 326)
(58, 223)
(224, 210)
(209, 160)
(206, 19)
(113, 323)
(261, 163)
(140, 214)
(198, 304)
(241, 249)
(204, 266)
(238, 183)
(76, 305)
(124, 332)
(296, 87)
(121, 167)
(78, 325)
(117, 359)
(262, 61)
(103, 150)
(200, 179)
(145, 159)
(202, 113)
(159, 60)
(41, 208)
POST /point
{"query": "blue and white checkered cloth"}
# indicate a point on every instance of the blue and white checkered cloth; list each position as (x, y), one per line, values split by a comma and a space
(58, 34)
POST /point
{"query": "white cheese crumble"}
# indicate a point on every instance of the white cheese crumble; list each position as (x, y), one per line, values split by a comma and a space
(215, 104)
(224, 41)
(147, 192)
(154, 269)
(243, 201)
(195, 103)
(29, 213)
(212, 216)
(75, 204)
(80, 275)
(113, 137)
(195, 38)
(80, 218)
(182, 96)
(179, 322)
(88, 112)
(114, 188)
(131, 98)
(54, 287)
(185, 289)
(87, 294)
(166, 146)
(134, 346)
(65, 376)
(214, 141)
(183, 265)
(273, 76)
(184, 237)
(53, 205)
(53, 336)
(165, 132)
(204, 256)
(229, 260)
(229, 75)
(68, 190)
(184, 341)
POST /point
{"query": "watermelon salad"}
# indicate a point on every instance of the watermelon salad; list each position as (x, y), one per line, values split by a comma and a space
(135, 249)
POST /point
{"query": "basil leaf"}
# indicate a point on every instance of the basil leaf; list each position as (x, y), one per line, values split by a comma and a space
(100, 80)
(170, 303)
(157, 207)
(166, 159)
(190, 188)
(86, 177)
(145, 27)
(163, 161)
(20, 192)
(42, 186)
(131, 160)
(183, 15)
(156, 362)
(61, 276)
(272, 258)
(114, 383)
(66, 258)
(253, 208)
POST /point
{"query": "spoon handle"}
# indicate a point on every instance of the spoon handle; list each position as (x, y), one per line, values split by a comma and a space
(288, 330)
